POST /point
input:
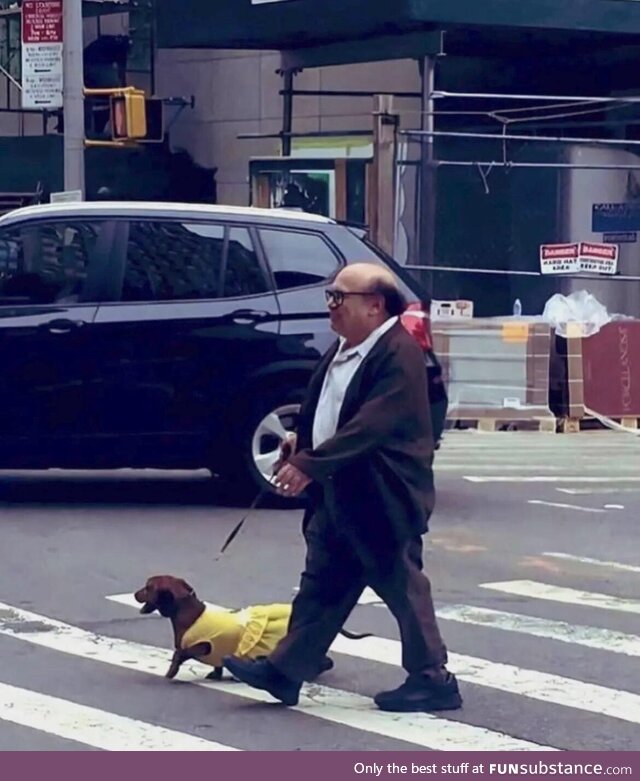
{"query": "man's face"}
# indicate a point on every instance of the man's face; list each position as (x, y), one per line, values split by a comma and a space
(353, 318)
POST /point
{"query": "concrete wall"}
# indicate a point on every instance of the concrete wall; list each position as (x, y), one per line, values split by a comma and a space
(237, 92)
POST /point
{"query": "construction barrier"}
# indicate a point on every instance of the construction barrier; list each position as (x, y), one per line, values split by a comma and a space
(603, 375)
(496, 372)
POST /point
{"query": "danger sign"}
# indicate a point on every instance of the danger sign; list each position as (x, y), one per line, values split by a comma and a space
(600, 258)
(559, 258)
(580, 256)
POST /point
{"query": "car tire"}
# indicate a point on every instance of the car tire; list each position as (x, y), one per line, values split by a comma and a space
(271, 416)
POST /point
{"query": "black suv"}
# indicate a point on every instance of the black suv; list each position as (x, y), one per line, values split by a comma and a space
(162, 335)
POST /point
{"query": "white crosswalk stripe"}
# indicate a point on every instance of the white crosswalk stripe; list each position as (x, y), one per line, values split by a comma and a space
(569, 596)
(321, 702)
(544, 687)
(104, 730)
(92, 726)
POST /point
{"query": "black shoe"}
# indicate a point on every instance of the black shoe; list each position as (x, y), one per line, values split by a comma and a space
(261, 674)
(419, 693)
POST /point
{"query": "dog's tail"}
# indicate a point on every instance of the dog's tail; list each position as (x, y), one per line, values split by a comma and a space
(354, 635)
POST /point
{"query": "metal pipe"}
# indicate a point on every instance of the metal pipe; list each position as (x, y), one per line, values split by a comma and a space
(74, 175)
(427, 203)
(336, 93)
(517, 137)
(498, 96)
(460, 269)
(287, 113)
(508, 164)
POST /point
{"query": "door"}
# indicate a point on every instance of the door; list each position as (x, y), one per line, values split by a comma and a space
(49, 286)
(194, 320)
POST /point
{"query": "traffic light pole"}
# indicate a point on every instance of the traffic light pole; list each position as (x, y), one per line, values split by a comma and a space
(73, 96)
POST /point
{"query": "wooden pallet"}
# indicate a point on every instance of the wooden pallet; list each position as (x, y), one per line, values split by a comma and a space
(543, 425)
(575, 425)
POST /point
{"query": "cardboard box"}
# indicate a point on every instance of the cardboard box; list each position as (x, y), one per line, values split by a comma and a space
(448, 310)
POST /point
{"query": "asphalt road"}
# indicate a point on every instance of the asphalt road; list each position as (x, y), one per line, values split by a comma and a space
(533, 555)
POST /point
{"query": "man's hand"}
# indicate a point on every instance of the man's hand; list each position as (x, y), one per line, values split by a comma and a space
(287, 448)
(290, 481)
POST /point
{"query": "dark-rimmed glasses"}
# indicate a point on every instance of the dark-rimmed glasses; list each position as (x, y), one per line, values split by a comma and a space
(337, 297)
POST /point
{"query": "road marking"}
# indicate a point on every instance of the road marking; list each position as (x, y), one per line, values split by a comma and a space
(321, 702)
(509, 678)
(589, 491)
(540, 479)
(596, 562)
(93, 727)
(568, 596)
(562, 506)
(589, 636)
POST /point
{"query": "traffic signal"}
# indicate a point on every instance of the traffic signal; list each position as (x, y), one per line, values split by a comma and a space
(128, 115)
(154, 112)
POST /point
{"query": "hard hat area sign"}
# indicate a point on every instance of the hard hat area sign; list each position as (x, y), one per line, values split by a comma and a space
(559, 258)
(42, 64)
(580, 256)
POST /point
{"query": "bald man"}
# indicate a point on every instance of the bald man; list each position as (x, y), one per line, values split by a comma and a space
(365, 453)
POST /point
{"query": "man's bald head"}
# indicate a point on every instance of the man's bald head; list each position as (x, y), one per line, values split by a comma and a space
(370, 296)
(376, 279)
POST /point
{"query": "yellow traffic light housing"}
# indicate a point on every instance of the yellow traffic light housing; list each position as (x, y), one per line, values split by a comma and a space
(128, 115)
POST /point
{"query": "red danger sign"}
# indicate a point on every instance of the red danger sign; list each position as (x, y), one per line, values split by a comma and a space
(42, 21)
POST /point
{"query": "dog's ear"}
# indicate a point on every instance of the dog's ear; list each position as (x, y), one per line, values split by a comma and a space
(183, 589)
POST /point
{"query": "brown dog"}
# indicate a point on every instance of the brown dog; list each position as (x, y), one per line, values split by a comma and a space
(208, 635)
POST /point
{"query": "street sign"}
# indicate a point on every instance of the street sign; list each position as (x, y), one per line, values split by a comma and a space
(42, 65)
(559, 258)
(628, 237)
(601, 258)
(615, 217)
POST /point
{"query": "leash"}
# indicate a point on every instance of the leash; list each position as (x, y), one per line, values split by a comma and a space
(284, 455)
(239, 525)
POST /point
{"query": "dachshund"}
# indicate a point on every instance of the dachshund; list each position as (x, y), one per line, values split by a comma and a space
(208, 635)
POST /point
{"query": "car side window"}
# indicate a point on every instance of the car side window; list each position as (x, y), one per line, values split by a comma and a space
(46, 262)
(169, 260)
(243, 274)
(298, 258)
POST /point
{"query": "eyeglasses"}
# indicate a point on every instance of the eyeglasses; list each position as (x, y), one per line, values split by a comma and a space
(337, 297)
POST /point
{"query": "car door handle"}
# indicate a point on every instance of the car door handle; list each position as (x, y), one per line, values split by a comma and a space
(62, 326)
(243, 316)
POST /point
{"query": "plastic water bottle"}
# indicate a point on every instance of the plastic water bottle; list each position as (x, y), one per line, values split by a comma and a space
(517, 308)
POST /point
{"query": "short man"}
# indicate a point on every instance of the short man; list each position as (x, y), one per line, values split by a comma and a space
(365, 450)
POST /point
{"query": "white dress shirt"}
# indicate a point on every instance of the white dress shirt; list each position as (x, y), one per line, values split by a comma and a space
(337, 379)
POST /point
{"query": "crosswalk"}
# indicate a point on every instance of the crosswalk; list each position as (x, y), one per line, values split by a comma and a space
(482, 678)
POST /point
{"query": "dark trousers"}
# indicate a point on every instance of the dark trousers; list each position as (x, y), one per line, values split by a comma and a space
(336, 572)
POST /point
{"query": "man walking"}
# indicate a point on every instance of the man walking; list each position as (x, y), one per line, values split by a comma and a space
(365, 450)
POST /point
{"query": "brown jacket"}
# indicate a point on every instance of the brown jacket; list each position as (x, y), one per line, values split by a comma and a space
(376, 471)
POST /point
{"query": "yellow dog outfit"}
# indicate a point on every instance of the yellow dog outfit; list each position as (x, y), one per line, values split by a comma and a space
(249, 633)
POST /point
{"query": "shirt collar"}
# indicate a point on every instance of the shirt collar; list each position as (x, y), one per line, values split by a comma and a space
(364, 348)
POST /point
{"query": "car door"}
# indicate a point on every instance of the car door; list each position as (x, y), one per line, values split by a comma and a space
(48, 301)
(194, 318)
(302, 262)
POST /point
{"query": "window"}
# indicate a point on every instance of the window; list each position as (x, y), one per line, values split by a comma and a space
(243, 275)
(46, 262)
(169, 261)
(298, 259)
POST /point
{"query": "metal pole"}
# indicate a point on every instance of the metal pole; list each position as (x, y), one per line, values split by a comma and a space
(73, 96)
(427, 202)
(287, 113)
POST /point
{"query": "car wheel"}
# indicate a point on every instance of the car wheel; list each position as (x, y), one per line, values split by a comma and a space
(269, 423)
